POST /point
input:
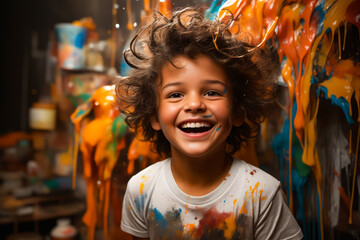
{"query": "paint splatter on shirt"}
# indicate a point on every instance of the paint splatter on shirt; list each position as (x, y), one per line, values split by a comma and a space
(243, 206)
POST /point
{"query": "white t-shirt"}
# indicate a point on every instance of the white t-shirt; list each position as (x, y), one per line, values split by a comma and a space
(248, 204)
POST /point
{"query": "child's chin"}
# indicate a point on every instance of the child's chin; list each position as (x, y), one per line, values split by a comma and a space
(196, 153)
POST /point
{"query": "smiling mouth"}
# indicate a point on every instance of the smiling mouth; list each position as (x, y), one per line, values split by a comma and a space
(196, 127)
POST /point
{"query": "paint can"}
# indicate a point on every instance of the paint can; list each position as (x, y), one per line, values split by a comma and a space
(71, 40)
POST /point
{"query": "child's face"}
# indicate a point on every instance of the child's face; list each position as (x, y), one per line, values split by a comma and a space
(195, 108)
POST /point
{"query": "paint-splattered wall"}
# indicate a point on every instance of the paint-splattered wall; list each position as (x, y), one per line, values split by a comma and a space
(311, 140)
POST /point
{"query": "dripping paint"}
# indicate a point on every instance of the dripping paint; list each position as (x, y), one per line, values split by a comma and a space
(318, 46)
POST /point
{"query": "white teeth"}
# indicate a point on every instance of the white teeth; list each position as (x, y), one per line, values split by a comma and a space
(195, 125)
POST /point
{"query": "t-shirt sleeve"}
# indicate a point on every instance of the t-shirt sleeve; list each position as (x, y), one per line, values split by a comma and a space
(132, 219)
(276, 220)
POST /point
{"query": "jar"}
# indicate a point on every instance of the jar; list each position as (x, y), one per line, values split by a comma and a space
(42, 116)
(63, 230)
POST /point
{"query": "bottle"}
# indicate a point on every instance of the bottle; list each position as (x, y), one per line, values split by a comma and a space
(63, 230)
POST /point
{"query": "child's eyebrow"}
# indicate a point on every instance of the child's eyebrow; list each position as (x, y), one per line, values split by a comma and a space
(171, 84)
(214, 82)
(204, 81)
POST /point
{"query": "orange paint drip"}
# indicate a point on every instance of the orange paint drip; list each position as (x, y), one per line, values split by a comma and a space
(231, 8)
(334, 17)
(165, 7)
(308, 34)
(251, 22)
(229, 227)
(90, 215)
(345, 82)
(255, 188)
(147, 7)
(289, 17)
(130, 25)
(271, 10)
(269, 32)
(288, 38)
(139, 149)
(243, 207)
(289, 80)
(75, 155)
(106, 207)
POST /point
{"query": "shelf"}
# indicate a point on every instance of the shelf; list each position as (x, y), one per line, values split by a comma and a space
(9, 202)
(82, 70)
(45, 207)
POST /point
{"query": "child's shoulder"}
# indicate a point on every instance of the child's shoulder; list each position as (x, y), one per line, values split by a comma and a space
(148, 175)
(254, 177)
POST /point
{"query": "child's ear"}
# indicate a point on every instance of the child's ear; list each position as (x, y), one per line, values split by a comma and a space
(155, 124)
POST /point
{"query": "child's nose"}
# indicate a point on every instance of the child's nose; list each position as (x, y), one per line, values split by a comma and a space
(194, 103)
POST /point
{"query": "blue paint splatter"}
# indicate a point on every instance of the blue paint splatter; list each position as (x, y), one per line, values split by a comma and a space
(180, 210)
(224, 90)
(217, 129)
(160, 219)
(165, 127)
(208, 116)
(140, 202)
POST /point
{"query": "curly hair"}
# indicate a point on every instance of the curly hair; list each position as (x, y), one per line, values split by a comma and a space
(252, 71)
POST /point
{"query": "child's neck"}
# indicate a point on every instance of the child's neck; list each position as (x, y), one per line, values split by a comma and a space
(199, 176)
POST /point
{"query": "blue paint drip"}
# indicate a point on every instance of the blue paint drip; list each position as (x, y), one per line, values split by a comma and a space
(208, 116)
(225, 90)
(341, 102)
(212, 11)
(140, 202)
(217, 129)
(160, 219)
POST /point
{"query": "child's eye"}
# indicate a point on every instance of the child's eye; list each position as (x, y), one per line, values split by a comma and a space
(212, 93)
(175, 95)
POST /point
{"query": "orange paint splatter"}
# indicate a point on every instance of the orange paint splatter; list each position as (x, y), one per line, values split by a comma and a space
(243, 207)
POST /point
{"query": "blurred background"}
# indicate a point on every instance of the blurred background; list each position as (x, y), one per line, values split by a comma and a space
(66, 154)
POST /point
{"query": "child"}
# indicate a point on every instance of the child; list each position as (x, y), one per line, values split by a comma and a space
(199, 93)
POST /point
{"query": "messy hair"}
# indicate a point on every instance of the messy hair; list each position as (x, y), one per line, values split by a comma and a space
(251, 71)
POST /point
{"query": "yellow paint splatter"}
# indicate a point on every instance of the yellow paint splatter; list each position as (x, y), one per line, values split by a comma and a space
(243, 207)
(255, 187)
(142, 184)
(141, 188)
(229, 227)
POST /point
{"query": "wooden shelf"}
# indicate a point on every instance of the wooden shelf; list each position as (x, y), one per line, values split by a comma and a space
(45, 207)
